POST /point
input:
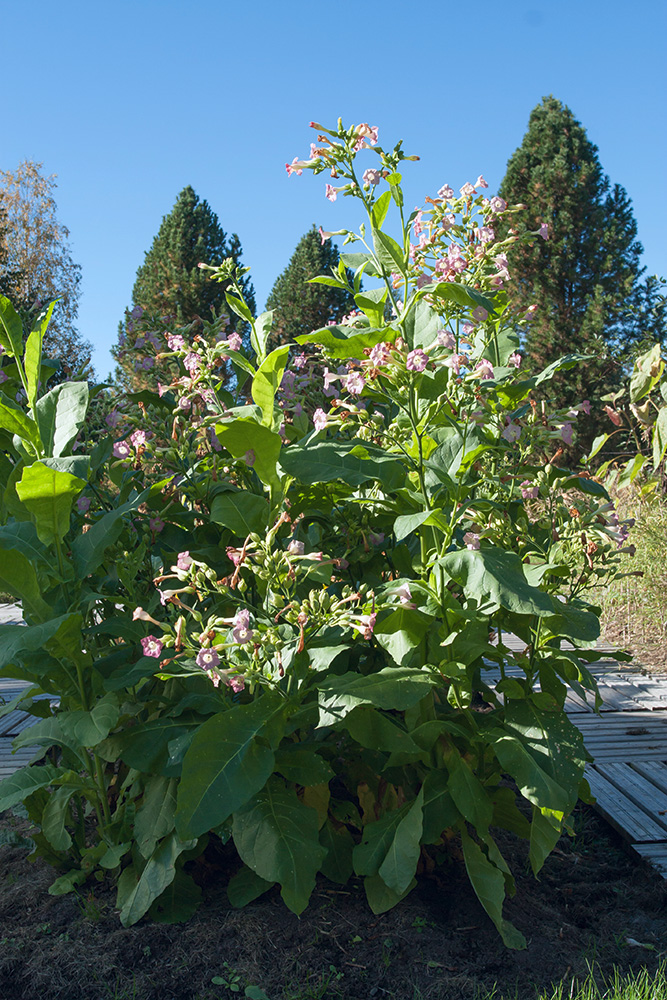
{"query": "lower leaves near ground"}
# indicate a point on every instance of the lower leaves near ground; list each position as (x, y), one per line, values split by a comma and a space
(591, 902)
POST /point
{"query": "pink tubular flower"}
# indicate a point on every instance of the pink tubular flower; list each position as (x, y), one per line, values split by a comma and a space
(249, 458)
(324, 236)
(138, 438)
(121, 449)
(242, 633)
(3, 377)
(296, 548)
(471, 540)
(319, 419)
(207, 658)
(480, 314)
(156, 524)
(235, 683)
(467, 190)
(331, 192)
(376, 537)
(566, 433)
(184, 561)
(417, 360)
(497, 204)
(192, 362)
(485, 368)
(515, 360)
(83, 505)
(295, 167)
(354, 383)
(480, 182)
(112, 419)
(445, 192)
(371, 176)
(511, 433)
(367, 625)
(234, 555)
(446, 339)
(215, 444)
(380, 354)
(175, 342)
(366, 131)
(585, 407)
(455, 361)
(234, 342)
(528, 491)
(404, 594)
(485, 234)
(152, 646)
(544, 231)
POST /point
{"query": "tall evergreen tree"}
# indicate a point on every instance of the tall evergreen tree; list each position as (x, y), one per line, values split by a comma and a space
(301, 307)
(171, 289)
(36, 263)
(583, 278)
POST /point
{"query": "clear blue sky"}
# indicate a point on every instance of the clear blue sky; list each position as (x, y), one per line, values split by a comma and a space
(128, 102)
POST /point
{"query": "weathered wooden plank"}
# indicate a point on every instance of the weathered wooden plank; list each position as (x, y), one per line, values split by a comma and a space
(631, 822)
(10, 720)
(655, 855)
(614, 700)
(654, 771)
(628, 754)
(638, 789)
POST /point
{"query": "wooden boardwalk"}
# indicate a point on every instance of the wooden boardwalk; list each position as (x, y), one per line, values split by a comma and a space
(628, 741)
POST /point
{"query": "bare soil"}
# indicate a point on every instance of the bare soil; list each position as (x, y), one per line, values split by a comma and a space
(591, 900)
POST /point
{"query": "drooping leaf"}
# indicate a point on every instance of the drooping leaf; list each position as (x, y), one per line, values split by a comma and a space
(497, 576)
(266, 381)
(380, 897)
(545, 831)
(244, 438)
(277, 836)
(226, 765)
(240, 511)
(337, 864)
(341, 342)
(11, 328)
(393, 687)
(401, 630)
(33, 352)
(398, 868)
(246, 886)
(468, 793)
(159, 873)
(22, 783)
(48, 495)
(178, 902)
(355, 462)
(488, 882)
(61, 414)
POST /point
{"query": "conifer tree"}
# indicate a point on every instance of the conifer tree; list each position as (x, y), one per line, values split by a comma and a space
(582, 279)
(301, 307)
(172, 291)
(36, 264)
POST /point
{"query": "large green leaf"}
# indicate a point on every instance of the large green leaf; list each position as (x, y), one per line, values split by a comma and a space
(646, 373)
(240, 511)
(278, 837)
(244, 438)
(376, 840)
(155, 816)
(226, 764)
(495, 578)
(87, 729)
(18, 576)
(178, 902)
(14, 420)
(371, 302)
(342, 342)
(355, 462)
(246, 886)
(545, 831)
(468, 793)
(48, 495)
(33, 352)
(302, 764)
(22, 783)
(61, 414)
(11, 328)
(54, 817)
(488, 881)
(146, 746)
(375, 731)
(400, 630)
(462, 295)
(398, 868)
(380, 897)
(159, 872)
(265, 384)
(659, 437)
(88, 549)
(339, 844)
(389, 254)
(17, 639)
(421, 323)
(439, 811)
(392, 687)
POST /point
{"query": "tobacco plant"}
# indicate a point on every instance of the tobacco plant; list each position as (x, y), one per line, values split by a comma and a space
(276, 616)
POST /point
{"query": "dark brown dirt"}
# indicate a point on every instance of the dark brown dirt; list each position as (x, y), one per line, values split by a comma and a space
(438, 944)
